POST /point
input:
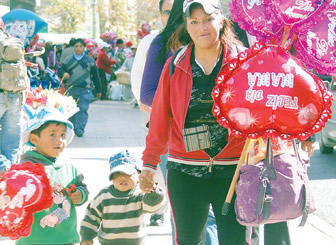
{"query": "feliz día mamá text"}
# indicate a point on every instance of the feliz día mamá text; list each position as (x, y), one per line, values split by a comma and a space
(268, 79)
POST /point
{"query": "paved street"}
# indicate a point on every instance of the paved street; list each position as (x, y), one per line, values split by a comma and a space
(116, 125)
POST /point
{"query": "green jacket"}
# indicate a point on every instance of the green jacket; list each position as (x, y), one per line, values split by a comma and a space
(58, 224)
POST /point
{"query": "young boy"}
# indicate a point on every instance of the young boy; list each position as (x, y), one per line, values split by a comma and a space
(116, 214)
(49, 132)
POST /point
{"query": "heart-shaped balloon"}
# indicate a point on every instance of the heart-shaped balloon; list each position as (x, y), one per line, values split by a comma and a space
(293, 12)
(24, 190)
(254, 17)
(267, 92)
(316, 44)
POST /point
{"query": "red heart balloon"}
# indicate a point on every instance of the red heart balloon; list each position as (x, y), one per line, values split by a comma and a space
(267, 92)
(24, 189)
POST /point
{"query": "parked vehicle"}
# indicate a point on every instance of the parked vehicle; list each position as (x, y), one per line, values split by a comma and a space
(327, 137)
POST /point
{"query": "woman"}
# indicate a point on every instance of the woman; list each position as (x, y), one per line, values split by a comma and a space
(197, 178)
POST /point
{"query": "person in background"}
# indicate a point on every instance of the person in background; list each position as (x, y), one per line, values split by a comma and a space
(11, 118)
(49, 132)
(116, 214)
(104, 65)
(69, 50)
(119, 54)
(76, 72)
(165, 8)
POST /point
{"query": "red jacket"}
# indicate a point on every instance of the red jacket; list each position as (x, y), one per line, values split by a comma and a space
(168, 115)
(104, 62)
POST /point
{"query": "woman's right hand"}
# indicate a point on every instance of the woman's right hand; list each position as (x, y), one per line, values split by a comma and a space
(66, 76)
(146, 180)
(86, 242)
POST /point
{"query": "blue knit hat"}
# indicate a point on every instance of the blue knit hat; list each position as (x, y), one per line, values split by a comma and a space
(123, 162)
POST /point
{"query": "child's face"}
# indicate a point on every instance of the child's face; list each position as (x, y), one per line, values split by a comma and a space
(124, 182)
(52, 140)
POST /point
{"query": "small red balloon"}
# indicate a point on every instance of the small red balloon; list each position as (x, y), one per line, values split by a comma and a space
(24, 190)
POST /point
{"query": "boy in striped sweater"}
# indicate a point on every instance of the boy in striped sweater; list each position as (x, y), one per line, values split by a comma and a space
(116, 214)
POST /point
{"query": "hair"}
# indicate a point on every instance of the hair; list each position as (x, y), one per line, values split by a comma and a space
(43, 126)
(80, 40)
(161, 4)
(175, 19)
(227, 34)
(120, 41)
(72, 42)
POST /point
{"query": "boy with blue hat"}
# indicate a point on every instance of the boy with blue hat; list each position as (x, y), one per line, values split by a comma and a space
(116, 214)
(49, 132)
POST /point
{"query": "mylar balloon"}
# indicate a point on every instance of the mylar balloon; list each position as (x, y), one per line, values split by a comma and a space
(292, 12)
(267, 92)
(316, 44)
(24, 189)
(254, 17)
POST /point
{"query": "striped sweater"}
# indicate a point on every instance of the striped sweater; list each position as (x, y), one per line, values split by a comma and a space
(118, 217)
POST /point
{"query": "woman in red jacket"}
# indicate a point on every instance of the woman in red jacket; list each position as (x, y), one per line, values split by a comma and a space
(104, 65)
(199, 175)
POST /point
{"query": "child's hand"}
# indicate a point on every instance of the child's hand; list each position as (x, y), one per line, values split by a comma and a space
(76, 197)
(87, 242)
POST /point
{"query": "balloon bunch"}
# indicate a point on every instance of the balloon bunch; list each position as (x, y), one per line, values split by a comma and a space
(24, 190)
(266, 91)
(109, 37)
(90, 44)
(310, 25)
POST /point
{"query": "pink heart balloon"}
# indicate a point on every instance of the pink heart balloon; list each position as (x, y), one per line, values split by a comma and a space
(274, 97)
(316, 44)
(292, 12)
(253, 16)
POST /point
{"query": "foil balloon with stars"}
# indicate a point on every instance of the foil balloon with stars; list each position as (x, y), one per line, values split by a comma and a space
(282, 22)
(267, 92)
(24, 190)
(255, 18)
(316, 44)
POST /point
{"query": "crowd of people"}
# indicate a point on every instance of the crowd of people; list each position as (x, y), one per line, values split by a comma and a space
(172, 76)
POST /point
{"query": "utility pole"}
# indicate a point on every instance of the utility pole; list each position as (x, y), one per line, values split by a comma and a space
(94, 19)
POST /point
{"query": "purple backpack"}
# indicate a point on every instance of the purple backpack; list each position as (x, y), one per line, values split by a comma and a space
(274, 190)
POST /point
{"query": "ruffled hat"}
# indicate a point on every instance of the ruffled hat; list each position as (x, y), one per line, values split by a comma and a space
(41, 115)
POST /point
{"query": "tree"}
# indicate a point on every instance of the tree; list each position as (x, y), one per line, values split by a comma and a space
(126, 16)
(65, 16)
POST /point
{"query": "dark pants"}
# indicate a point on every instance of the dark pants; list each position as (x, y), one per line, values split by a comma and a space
(104, 83)
(190, 199)
(82, 97)
(274, 234)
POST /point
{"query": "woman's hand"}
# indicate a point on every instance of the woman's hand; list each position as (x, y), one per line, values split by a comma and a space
(308, 146)
(146, 180)
(66, 76)
(86, 242)
(145, 108)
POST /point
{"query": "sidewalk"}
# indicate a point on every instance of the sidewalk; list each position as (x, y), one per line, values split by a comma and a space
(114, 126)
